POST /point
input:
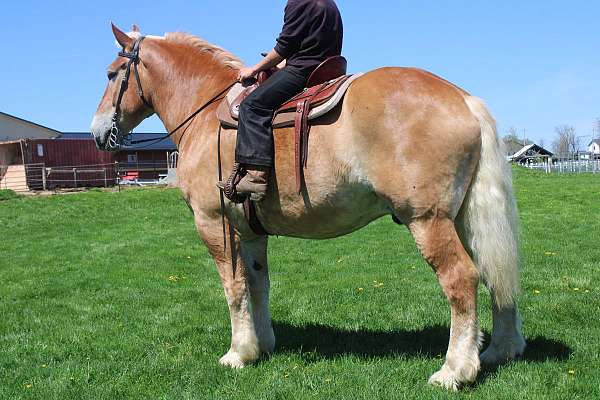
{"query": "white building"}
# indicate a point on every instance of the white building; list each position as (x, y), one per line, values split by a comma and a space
(14, 128)
(594, 147)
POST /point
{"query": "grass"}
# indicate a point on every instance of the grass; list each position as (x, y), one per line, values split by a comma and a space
(7, 194)
(111, 295)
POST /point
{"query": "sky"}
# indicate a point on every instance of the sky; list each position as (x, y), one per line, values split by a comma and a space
(535, 63)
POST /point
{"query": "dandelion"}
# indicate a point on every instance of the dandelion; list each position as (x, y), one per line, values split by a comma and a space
(340, 260)
(535, 291)
(550, 253)
(360, 290)
(44, 365)
(377, 284)
(571, 372)
(28, 385)
(174, 278)
(576, 289)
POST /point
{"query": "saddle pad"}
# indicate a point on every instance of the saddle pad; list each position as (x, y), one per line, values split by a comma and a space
(228, 115)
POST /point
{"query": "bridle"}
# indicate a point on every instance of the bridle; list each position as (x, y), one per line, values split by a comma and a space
(117, 139)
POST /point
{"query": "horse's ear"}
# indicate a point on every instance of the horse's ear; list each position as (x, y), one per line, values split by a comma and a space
(122, 38)
(135, 28)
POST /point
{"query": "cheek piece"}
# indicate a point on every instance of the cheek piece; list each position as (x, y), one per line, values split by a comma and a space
(117, 138)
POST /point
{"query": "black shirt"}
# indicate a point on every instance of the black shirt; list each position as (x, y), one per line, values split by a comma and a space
(312, 32)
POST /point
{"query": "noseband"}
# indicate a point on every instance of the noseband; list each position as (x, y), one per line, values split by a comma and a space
(117, 138)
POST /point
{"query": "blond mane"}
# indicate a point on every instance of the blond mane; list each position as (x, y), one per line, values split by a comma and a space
(219, 54)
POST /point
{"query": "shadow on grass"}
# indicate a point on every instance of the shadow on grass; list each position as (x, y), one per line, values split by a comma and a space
(539, 349)
(321, 341)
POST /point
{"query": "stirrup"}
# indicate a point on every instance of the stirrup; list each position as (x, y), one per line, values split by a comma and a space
(229, 187)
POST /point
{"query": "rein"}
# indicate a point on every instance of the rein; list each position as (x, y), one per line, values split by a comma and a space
(117, 139)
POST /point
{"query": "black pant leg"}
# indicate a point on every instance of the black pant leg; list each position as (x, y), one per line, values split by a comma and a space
(255, 134)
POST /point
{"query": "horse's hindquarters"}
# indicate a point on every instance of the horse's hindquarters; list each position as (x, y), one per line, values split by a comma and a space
(403, 142)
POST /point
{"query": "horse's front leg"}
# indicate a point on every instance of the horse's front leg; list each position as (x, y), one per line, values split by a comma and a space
(254, 254)
(243, 269)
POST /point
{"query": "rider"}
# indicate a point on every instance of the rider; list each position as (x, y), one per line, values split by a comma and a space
(312, 32)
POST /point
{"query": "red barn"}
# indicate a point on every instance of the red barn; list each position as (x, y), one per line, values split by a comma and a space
(73, 160)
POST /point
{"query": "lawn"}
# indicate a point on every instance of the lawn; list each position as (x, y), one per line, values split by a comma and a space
(111, 295)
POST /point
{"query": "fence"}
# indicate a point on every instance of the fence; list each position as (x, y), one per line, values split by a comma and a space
(22, 178)
(566, 166)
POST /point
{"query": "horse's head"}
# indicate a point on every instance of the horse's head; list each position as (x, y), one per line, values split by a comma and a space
(126, 102)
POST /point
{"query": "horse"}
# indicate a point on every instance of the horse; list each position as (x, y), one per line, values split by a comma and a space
(403, 142)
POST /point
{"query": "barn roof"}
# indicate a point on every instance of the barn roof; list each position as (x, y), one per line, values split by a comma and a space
(597, 141)
(529, 151)
(166, 144)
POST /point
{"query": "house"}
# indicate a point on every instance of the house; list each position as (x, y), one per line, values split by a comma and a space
(531, 153)
(14, 128)
(13, 131)
(594, 148)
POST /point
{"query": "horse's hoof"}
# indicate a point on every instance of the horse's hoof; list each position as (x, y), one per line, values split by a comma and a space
(446, 379)
(232, 360)
(495, 356)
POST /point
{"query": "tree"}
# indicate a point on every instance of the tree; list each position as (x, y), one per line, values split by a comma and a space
(512, 143)
(566, 142)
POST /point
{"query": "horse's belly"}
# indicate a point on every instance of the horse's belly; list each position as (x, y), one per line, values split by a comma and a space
(334, 215)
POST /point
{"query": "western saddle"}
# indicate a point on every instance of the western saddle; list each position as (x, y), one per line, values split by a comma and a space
(326, 87)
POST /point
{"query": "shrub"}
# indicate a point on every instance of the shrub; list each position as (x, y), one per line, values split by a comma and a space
(7, 194)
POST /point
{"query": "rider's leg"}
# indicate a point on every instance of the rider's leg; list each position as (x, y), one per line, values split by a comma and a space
(254, 148)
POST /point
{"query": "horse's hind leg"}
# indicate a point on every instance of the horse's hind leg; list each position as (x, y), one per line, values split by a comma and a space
(507, 341)
(439, 243)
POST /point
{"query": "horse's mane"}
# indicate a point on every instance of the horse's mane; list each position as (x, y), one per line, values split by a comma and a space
(223, 56)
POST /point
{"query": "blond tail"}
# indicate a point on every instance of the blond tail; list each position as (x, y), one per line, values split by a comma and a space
(488, 220)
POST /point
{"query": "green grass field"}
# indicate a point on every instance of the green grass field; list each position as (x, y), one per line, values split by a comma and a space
(111, 295)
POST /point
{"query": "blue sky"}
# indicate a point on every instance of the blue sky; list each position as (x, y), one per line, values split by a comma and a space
(536, 63)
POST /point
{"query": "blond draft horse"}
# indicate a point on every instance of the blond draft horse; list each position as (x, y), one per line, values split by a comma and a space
(404, 142)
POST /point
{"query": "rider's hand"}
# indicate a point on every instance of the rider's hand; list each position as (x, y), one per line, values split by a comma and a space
(246, 73)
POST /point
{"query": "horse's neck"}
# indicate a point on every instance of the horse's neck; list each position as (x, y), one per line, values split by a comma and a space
(183, 86)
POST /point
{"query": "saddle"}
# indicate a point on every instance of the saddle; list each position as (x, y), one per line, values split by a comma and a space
(326, 87)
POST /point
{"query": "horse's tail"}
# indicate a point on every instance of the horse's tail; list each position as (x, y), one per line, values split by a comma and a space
(488, 219)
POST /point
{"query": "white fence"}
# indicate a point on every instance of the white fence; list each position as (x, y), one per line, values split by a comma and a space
(566, 166)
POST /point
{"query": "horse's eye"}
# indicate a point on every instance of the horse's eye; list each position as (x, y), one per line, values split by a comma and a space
(111, 75)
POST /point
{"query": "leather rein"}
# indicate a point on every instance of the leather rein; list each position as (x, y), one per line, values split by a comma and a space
(117, 139)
